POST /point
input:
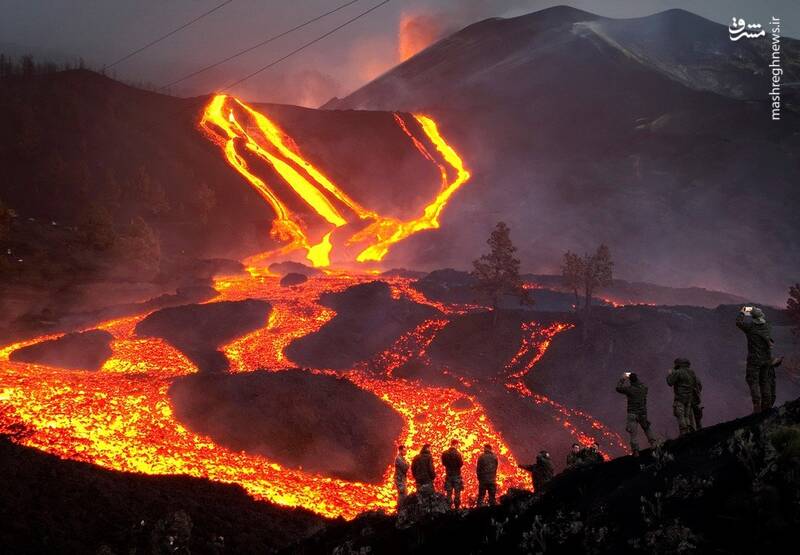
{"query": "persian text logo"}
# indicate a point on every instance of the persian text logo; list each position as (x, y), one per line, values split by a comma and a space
(739, 29)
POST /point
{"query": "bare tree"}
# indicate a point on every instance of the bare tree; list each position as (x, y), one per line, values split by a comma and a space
(586, 275)
(498, 272)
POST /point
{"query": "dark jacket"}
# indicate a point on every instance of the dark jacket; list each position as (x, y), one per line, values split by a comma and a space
(589, 456)
(573, 459)
(683, 382)
(636, 394)
(759, 339)
(452, 462)
(422, 468)
(542, 471)
(400, 470)
(487, 468)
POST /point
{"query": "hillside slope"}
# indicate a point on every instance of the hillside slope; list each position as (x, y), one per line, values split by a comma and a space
(651, 134)
(50, 505)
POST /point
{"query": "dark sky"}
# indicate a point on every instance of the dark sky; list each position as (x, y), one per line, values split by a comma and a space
(102, 31)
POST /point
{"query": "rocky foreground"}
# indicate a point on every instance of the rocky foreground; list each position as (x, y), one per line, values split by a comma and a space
(731, 488)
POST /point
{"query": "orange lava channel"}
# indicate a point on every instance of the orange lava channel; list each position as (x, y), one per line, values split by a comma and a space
(243, 132)
(121, 417)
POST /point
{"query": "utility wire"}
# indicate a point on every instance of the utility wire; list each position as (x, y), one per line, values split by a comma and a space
(257, 45)
(306, 45)
(156, 41)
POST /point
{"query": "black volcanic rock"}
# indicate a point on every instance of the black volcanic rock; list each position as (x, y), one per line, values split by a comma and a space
(455, 286)
(299, 419)
(293, 278)
(368, 320)
(449, 285)
(470, 345)
(403, 273)
(52, 505)
(86, 350)
(289, 267)
(198, 330)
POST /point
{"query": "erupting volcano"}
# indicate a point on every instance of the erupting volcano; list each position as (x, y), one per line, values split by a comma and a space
(121, 417)
(243, 132)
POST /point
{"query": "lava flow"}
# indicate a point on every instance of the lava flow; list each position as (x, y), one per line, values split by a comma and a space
(121, 417)
(240, 129)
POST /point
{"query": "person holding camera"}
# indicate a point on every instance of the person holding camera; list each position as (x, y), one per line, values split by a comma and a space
(636, 392)
(760, 368)
(686, 386)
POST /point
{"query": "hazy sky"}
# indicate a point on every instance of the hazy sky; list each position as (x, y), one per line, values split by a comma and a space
(102, 31)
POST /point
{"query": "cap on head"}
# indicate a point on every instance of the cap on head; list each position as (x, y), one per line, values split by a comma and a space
(682, 362)
(758, 316)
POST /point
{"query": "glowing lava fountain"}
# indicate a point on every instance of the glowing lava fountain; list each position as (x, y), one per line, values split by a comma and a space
(241, 132)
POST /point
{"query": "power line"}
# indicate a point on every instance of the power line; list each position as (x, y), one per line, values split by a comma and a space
(306, 45)
(156, 41)
(258, 45)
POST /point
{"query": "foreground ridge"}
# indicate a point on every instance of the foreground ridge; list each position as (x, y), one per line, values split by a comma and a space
(731, 488)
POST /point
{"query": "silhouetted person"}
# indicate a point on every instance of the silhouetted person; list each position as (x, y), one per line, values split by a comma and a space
(453, 483)
(401, 474)
(760, 369)
(487, 475)
(423, 471)
(541, 471)
(574, 456)
(636, 392)
(683, 382)
(591, 455)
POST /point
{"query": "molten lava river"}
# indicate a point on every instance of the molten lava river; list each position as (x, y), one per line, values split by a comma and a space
(121, 416)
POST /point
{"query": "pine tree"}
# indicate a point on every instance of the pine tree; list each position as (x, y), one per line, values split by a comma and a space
(498, 272)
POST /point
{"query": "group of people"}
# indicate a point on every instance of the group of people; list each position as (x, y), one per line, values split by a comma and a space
(687, 408)
(424, 473)
(687, 387)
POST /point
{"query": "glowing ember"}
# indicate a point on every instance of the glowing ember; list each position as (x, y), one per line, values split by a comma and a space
(243, 131)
